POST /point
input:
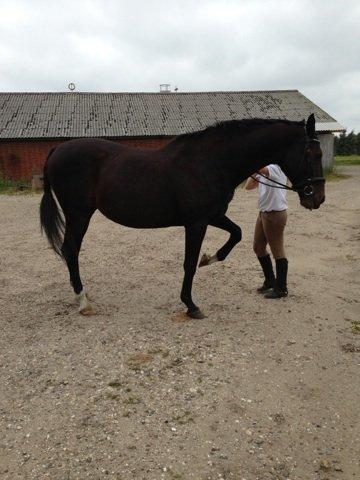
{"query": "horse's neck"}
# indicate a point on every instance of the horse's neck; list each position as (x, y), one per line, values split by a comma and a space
(239, 158)
(237, 155)
(243, 155)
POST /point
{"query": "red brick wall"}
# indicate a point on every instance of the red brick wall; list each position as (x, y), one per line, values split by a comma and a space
(20, 160)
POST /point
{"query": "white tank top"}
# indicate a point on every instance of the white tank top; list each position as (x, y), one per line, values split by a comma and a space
(272, 199)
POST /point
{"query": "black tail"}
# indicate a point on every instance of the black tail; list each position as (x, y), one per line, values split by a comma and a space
(50, 216)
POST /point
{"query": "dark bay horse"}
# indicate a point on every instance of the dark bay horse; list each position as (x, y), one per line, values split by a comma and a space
(189, 183)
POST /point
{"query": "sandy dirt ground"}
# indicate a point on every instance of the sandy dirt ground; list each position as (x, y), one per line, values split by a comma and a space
(259, 390)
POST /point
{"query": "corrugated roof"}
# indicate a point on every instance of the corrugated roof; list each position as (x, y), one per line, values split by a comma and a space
(80, 114)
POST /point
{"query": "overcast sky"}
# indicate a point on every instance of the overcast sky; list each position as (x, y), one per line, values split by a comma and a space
(202, 45)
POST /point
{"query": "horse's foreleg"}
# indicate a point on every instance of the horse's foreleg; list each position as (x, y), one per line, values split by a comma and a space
(74, 234)
(224, 223)
(194, 236)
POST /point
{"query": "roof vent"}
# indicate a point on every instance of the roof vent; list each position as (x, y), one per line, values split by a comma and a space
(165, 88)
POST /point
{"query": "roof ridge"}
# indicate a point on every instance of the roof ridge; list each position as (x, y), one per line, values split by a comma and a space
(148, 93)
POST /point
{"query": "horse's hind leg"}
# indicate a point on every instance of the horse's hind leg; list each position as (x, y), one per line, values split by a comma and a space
(224, 223)
(75, 230)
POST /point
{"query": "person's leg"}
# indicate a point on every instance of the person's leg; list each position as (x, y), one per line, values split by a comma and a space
(259, 246)
(274, 226)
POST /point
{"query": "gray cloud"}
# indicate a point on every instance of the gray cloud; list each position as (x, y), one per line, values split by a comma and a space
(197, 45)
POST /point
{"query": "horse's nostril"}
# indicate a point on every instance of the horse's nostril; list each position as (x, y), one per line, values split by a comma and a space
(323, 199)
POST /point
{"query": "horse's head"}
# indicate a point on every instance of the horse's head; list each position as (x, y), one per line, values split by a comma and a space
(304, 168)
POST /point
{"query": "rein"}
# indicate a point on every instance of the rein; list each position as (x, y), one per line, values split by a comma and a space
(305, 185)
(282, 187)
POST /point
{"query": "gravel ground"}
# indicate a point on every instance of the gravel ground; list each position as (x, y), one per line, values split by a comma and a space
(260, 389)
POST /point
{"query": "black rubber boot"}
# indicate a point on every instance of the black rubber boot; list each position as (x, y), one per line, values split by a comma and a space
(269, 282)
(280, 289)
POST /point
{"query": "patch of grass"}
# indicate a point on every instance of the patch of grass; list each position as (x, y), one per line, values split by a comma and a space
(347, 160)
(159, 351)
(112, 396)
(335, 176)
(132, 400)
(176, 476)
(183, 418)
(355, 326)
(8, 186)
(115, 384)
(139, 359)
(155, 351)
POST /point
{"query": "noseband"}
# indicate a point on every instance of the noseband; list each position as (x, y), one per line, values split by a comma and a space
(305, 186)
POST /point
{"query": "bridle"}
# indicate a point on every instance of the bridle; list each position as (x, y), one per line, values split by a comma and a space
(305, 186)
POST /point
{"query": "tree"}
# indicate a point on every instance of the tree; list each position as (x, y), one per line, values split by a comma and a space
(347, 144)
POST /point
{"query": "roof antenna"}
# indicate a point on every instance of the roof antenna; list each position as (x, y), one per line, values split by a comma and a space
(71, 87)
(165, 88)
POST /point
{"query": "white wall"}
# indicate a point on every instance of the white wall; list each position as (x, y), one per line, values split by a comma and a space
(327, 147)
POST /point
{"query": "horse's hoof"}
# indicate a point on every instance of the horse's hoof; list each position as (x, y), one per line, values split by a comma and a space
(204, 260)
(197, 314)
(87, 311)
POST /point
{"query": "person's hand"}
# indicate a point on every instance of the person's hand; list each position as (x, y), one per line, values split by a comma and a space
(264, 171)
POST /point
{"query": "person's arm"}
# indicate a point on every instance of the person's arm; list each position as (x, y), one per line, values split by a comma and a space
(251, 183)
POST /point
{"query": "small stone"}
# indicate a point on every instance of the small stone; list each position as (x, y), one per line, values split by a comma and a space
(351, 348)
(259, 441)
(278, 418)
(325, 465)
(223, 456)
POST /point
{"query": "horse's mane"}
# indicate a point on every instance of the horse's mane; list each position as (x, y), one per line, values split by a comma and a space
(236, 126)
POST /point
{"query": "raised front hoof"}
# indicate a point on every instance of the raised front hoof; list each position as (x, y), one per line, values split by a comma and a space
(197, 314)
(207, 260)
(204, 260)
(86, 311)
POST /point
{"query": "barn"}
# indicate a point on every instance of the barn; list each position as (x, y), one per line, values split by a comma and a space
(32, 123)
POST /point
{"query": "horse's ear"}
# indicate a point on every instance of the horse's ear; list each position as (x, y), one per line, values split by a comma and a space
(310, 126)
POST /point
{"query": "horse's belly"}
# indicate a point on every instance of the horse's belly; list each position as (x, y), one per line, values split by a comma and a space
(143, 222)
(136, 214)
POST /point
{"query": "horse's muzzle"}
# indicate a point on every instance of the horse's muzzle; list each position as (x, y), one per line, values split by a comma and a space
(317, 205)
